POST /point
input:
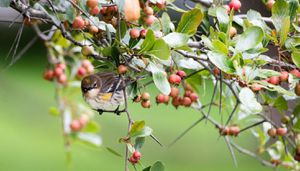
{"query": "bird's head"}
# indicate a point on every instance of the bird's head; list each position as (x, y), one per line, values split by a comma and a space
(90, 85)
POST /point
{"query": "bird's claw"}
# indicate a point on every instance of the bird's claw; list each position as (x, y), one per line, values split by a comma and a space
(117, 111)
(100, 111)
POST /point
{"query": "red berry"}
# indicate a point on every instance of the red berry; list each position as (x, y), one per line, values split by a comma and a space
(227, 8)
(272, 132)
(61, 65)
(297, 89)
(296, 73)
(143, 33)
(83, 120)
(187, 93)
(149, 20)
(161, 4)
(91, 3)
(103, 10)
(58, 71)
(86, 63)
(224, 131)
(216, 71)
(146, 96)
(146, 103)
(284, 76)
(174, 79)
(87, 50)
(75, 126)
(148, 11)
(275, 80)
(235, 4)
(132, 160)
(281, 131)
(234, 130)
(186, 101)
(232, 31)
(137, 99)
(166, 99)
(93, 29)
(134, 33)
(48, 75)
(174, 92)
(62, 79)
(122, 69)
(270, 4)
(136, 155)
(90, 69)
(160, 98)
(81, 72)
(176, 102)
(78, 23)
(181, 73)
(256, 87)
(194, 97)
(95, 11)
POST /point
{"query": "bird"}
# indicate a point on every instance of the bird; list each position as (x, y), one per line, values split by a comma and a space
(103, 91)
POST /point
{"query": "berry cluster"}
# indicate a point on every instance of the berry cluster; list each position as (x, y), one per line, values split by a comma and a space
(58, 73)
(233, 4)
(233, 130)
(86, 68)
(273, 132)
(77, 124)
(136, 156)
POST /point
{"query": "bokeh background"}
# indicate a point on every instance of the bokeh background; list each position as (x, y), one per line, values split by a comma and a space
(31, 139)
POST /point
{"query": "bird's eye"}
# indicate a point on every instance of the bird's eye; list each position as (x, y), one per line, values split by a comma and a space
(85, 90)
(95, 85)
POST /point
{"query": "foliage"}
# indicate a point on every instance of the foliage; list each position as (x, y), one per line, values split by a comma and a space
(204, 48)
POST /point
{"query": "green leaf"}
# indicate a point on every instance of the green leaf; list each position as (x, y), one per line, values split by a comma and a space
(54, 111)
(219, 46)
(281, 104)
(249, 103)
(157, 166)
(296, 110)
(139, 142)
(293, 7)
(281, 19)
(249, 39)
(70, 14)
(175, 40)
(296, 57)
(147, 168)
(5, 3)
(90, 139)
(221, 61)
(148, 42)
(166, 23)
(161, 82)
(223, 18)
(92, 127)
(284, 31)
(113, 152)
(137, 127)
(190, 21)
(160, 50)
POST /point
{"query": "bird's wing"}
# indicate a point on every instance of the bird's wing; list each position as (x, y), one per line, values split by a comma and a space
(110, 82)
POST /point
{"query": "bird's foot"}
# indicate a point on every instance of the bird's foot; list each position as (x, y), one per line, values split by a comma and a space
(100, 111)
(117, 111)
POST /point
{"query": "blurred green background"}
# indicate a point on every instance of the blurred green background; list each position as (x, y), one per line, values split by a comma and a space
(32, 140)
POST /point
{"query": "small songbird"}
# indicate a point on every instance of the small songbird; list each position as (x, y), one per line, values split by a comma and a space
(103, 91)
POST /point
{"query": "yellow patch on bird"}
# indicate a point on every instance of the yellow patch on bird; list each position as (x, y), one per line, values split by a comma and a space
(106, 96)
